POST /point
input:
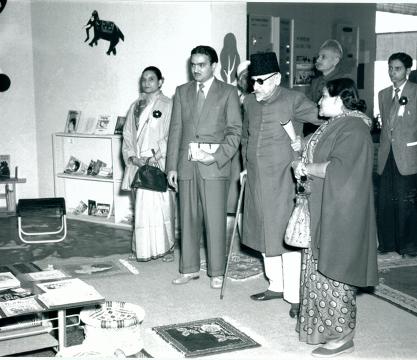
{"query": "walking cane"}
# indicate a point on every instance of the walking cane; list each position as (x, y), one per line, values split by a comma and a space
(239, 206)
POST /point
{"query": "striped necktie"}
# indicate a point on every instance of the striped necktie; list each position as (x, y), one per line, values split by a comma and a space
(395, 105)
(200, 98)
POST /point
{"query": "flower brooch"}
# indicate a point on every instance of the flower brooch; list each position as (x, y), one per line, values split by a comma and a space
(403, 101)
(156, 114)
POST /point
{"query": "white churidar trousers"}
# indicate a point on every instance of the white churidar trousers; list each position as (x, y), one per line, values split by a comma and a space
(283, 272)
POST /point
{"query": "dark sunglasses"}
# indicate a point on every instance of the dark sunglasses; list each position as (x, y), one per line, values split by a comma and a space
(260, 81)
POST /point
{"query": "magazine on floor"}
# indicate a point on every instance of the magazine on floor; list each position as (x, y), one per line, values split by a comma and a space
(47, 275)
(8, 281)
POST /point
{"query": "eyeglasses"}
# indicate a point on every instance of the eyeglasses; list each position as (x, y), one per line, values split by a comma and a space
(260, 81)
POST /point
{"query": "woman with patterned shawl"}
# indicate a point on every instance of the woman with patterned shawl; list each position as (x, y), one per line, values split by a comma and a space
(145, 135)
(337, 169)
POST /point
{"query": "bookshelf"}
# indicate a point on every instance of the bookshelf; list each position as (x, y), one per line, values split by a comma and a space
(75, 188)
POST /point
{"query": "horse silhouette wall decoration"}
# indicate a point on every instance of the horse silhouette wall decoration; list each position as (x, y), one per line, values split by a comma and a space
(106, 30)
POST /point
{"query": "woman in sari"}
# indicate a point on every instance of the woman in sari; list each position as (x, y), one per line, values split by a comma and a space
(337, 169)
(145, 140)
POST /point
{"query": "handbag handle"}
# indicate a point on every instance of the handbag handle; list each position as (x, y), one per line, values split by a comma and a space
(153, 154)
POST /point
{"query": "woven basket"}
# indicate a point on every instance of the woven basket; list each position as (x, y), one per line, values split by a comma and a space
(113, 325)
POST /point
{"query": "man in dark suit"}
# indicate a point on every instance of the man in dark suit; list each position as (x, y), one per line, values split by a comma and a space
(397, 161)
(328, 64)
(204, 135)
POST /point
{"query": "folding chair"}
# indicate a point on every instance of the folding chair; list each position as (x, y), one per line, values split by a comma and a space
(30, 209)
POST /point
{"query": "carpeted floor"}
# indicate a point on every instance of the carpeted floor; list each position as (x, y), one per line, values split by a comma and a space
(397, 282)
(84, 239)
(384, 331)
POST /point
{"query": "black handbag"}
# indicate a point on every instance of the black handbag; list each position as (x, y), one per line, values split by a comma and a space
(150, 178)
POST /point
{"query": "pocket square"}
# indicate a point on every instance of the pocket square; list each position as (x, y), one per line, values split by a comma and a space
(414, 143)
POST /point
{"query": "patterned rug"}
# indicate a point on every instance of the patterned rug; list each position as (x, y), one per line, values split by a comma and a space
(397, 283)
(241, 266)
(205, 337)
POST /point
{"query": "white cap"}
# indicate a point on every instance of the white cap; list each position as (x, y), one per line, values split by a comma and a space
(242, 67)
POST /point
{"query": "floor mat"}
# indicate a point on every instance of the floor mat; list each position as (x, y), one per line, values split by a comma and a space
(397, 283)
(205, 337)
(91, 267)
(241, 266)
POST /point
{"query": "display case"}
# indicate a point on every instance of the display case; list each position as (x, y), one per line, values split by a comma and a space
(84, 186)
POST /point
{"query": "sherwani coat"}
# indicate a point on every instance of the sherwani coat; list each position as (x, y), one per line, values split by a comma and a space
(401, 134)
(203, 188)
(267, 156)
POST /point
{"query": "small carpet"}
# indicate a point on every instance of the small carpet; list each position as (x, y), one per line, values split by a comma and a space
(241, 266)
(205, 337)
(397, 283)
(91, 267)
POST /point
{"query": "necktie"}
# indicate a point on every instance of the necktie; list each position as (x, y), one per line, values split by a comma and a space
(395, 105)
(200, 98)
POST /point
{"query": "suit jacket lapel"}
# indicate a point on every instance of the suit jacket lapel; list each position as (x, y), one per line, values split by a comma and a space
(209, 102)
(192, 96)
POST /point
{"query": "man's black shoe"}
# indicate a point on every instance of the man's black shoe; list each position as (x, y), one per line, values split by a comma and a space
(266, 295)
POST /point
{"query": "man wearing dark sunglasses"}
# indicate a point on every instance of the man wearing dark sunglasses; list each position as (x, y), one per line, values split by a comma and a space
(270, 190)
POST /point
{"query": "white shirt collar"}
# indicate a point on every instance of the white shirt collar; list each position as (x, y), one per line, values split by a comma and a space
(401, 89)
(207, 85)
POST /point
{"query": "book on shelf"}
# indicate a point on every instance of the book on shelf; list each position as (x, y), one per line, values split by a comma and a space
(15, 293)
(96, 167)
(20, 306)
(105, 124)
(87, 125)
(102, 210)
(73, 119)
(47, 275)
(75, 166)
(105, 172)
(4, 167)
(92, 207)
(22, 322)
(67, 291)
(8, 281)
(80, 209)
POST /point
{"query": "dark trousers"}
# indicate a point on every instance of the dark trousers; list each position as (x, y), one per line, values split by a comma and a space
(203, 205)
(397, 210)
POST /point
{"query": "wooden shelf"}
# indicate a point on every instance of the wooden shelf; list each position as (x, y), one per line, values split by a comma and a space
(77, 135)
(76, 187)
(23, 342)
(85, 177)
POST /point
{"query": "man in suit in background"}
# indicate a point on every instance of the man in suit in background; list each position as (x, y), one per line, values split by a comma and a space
(397, 161)
(204, 135)
(328, 64)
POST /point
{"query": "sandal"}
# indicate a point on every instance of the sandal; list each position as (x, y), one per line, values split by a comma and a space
(168, 258)
(132, 257)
